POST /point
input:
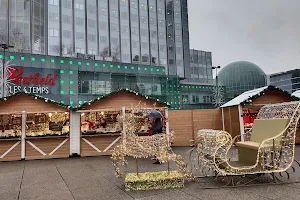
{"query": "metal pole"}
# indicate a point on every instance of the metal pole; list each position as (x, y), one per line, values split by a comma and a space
(4, 47)
(3, 71)
(23, 135)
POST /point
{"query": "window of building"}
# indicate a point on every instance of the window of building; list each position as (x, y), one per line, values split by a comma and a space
(79, 21)
(152, 8)
(152, 22)
(134, 4)
(92, 52)
(79, 6)
(54, 2)
(67, 4)
(153, 34)
(79, 36)
(114, 27)
(80, 50)
(91, 23)
(144, 32)
(92, 37)
(125, 57)
(125, 43)
(163, 61)
(185, 99)
(53, 32)
(195, 99)
(160, 11)
(113, 13)
(145, 45)
(161, 36)
(153, 47)
(134, 44)
(67, 34)
(134, 30)
(53, 16)
(134, 17)
(143, 20)
(103, 11)
(124, 15)
(124, 2)
(67, 19)
(124, 29)
(162, 48)
(103, 25)
(161, 23)
(91, 9)
(143, 6)
(171, 61)
(114, 40)
(103, 39)
(145, 58)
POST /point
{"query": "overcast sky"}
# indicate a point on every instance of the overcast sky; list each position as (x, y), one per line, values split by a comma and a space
(265, 32)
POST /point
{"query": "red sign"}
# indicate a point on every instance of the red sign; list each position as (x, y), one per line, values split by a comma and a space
(36, 78)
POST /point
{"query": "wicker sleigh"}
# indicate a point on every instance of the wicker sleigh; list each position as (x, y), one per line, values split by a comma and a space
(268, 148)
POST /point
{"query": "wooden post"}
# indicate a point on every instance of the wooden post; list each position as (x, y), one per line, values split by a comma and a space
(124, 127)
(241, 120)
(223, 120)
(23, 135)
(137, 166)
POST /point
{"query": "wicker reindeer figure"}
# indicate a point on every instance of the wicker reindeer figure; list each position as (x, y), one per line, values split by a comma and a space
(144, 146)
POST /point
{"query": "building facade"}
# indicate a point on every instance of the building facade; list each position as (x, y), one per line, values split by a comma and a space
(200, 68)
(73, 81)
(148, 32)
(288, 81)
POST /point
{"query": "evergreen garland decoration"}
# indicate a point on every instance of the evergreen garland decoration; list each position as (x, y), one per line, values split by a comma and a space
(85, 103)
(36, 97)
(270, 88)
(120, 90)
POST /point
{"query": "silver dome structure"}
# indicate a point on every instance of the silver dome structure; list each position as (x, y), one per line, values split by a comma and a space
(241, 76)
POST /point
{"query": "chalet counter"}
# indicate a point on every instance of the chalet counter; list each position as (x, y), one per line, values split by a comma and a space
(10, 149)
(47, 147)
(99, 144)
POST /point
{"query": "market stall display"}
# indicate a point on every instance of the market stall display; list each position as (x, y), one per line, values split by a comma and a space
(10, 136)
(99, 140)
(33, 127)
(47, 135)
(100, 131)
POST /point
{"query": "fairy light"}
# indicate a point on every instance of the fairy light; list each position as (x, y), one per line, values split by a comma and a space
(274, 155)
(144, 147)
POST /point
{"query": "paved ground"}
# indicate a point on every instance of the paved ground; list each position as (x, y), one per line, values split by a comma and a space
(93, 178)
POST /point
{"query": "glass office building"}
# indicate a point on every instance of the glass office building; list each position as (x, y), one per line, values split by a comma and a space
(200, 68)
(73, 81)
(148, 32)
(288, 81)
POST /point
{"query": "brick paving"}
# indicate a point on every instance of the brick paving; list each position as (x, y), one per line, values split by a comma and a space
(93, 178)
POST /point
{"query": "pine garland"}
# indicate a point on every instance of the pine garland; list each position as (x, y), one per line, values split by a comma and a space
(269, 89)
(36, 97)
(113, 93)
(85, 103)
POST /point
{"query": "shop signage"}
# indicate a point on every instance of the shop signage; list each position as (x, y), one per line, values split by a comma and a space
(36, 83)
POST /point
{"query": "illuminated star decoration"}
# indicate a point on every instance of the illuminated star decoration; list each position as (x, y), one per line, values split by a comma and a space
(6, 80)
(218, 96)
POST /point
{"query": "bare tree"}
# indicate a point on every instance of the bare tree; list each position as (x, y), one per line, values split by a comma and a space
(16, 39)
(115, 54)
(63, 49)
(104, 53)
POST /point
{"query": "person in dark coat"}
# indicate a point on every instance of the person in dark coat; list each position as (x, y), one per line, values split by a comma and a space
(156, 129)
